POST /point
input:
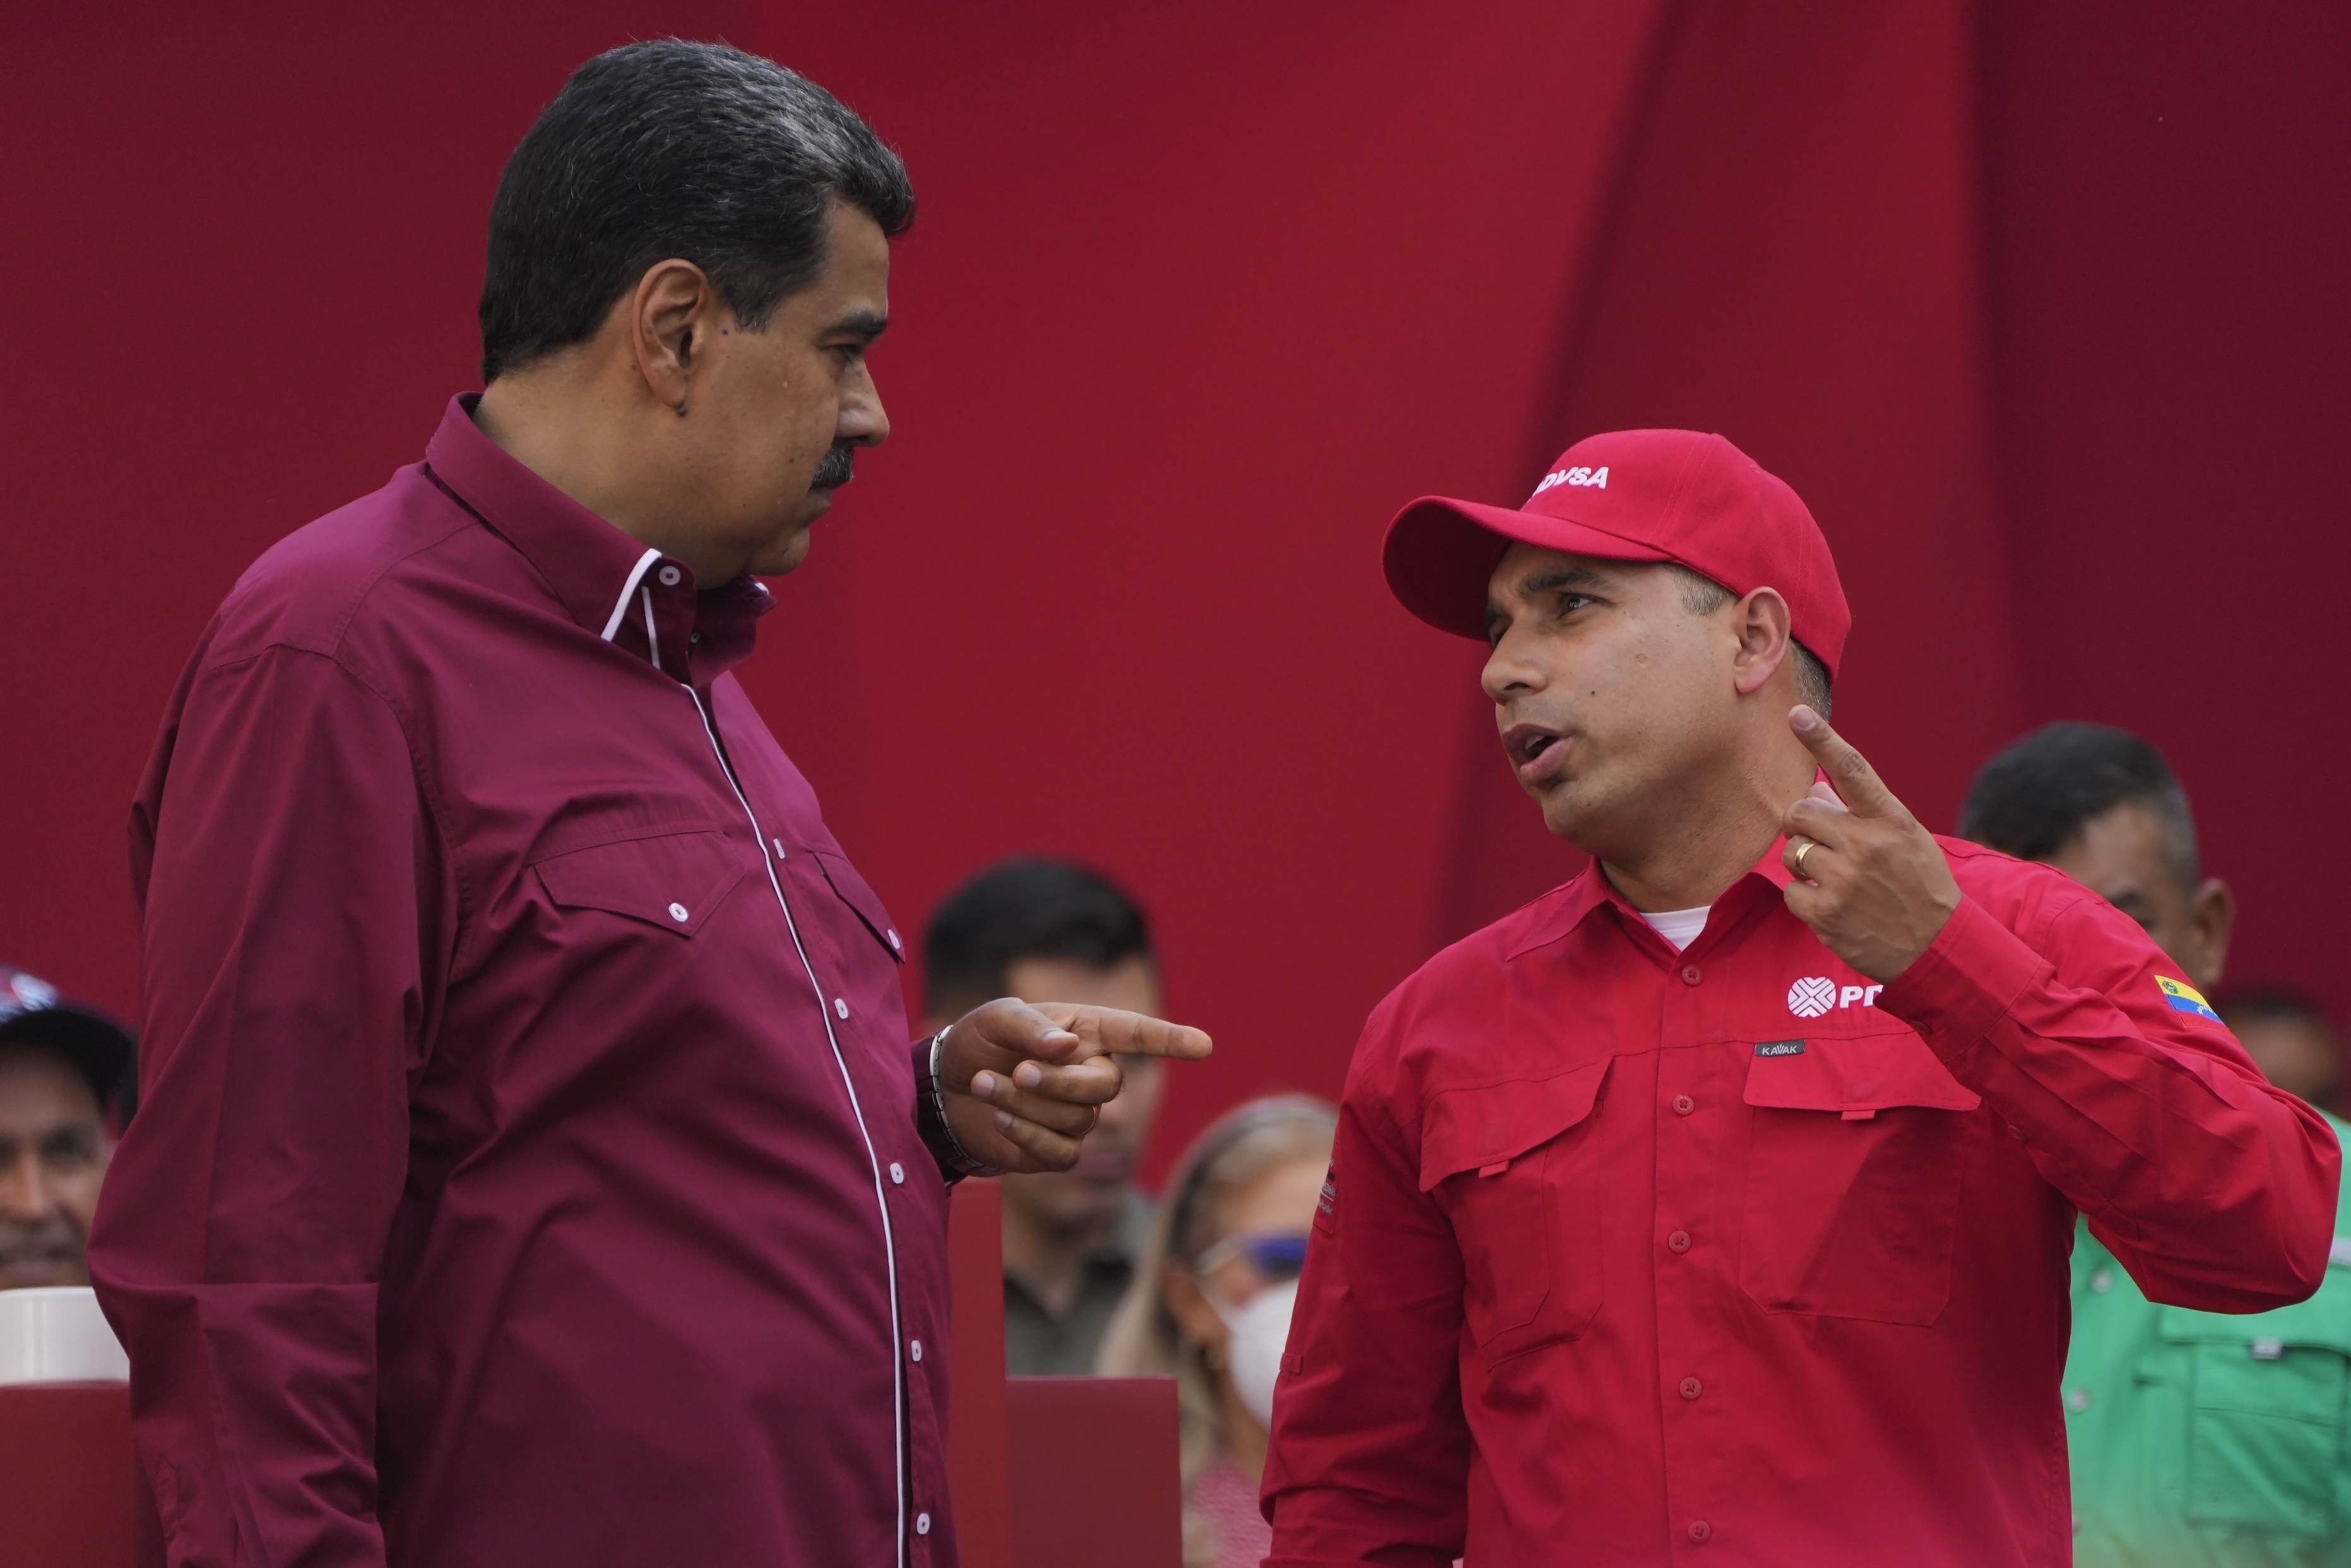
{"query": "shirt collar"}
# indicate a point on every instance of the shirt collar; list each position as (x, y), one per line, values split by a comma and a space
(1590, 889)
(602, 577)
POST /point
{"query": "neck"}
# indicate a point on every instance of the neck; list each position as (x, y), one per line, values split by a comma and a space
(560, 421)
(1712, 836)
(1049, 1260)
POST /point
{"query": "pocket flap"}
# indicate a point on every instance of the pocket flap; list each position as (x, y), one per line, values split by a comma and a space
(1472, 1129)
(2321, 1323)
(1859, 1075)
(854, 892)
(670, 880)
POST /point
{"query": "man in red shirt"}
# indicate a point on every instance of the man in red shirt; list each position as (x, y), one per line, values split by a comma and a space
(1715, 1206)
(533, 1166)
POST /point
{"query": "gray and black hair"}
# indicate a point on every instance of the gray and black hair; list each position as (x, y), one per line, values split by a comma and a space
(1701, 595)
(2036, 794)
(673, 148)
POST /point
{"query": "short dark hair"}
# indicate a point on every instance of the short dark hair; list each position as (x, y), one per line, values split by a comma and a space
(673, 148)
(1025, 907)
(2037, 794)
(1701, 595)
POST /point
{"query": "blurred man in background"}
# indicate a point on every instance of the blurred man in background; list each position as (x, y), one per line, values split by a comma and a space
(2292, 1041)
(61, 1067)
(1053, 931)
(2195, 1438)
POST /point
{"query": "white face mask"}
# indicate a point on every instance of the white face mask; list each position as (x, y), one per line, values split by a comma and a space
(1259, 1331)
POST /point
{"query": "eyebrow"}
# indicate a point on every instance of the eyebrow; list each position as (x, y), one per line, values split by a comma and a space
(1571, 577)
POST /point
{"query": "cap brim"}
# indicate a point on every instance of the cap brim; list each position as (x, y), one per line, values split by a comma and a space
(99, 1046)
(1440, 552)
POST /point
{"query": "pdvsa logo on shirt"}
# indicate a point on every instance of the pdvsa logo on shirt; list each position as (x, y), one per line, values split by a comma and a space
(1593, 478)
(1817, 994)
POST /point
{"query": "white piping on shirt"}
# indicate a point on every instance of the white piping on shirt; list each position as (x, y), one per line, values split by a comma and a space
(653, 638)
(881, 1193)
(621, 605)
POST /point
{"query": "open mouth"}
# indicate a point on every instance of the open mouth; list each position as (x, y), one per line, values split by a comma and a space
(1537, 753)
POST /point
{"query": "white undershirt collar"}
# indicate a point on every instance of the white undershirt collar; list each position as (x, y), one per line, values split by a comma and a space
(1678, 927)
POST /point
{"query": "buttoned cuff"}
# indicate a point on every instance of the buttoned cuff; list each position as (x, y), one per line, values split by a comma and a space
(1964, 982)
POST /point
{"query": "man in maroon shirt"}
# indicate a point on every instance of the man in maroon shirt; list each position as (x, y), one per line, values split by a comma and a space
(1716, 1206)
(533, 1167)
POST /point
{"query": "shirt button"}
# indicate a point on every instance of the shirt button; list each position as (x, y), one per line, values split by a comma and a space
(840, 1007)
(677, 913)
(898, 1172)
(671, 576)
(2102, 1281)
(922, 1524)
(915, 1350)
(1692, 975)
(1700, 1529)
(1691, 1389)
(1679, 1241)
(1684, 1104)
(2078, 1400)
(780, 847)
(896, 944)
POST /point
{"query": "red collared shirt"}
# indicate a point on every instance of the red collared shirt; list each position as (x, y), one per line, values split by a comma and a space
(527, 1167)
(1732, 1255)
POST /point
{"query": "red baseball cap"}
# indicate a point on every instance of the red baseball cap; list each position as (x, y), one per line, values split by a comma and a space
(1630, 495)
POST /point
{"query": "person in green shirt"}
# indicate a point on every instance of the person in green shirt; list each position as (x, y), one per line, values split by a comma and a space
(2195, 1438)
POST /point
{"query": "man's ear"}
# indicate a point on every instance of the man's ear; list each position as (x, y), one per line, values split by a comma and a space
(2212, 913)
(1762, 621)
(670, 317)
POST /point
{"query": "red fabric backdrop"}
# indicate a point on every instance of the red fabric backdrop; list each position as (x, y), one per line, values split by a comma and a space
(2037, 306)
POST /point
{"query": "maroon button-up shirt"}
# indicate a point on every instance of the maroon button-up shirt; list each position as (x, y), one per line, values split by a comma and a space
(527, 1167)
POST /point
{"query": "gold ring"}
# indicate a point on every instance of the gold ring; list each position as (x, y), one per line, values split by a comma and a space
(1808, 848)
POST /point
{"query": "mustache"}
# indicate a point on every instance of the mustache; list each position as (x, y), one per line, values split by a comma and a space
(838, 468)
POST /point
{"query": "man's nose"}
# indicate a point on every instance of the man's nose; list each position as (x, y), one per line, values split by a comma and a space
(24, 1192)
(1508, 671)
(863, 422)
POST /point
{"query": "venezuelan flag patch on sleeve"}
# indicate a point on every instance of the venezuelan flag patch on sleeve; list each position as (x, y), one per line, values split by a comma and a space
(2185, 997)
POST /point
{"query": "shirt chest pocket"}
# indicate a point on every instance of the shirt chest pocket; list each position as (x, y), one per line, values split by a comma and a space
(1859, 1147)
(2266, 1442)
(672, 881)
(1515, 1168)
(855, 892)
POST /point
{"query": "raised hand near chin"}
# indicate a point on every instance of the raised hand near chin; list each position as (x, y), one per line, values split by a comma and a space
(1870, 880)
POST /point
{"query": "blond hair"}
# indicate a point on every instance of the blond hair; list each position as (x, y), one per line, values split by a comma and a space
(1143, 1339)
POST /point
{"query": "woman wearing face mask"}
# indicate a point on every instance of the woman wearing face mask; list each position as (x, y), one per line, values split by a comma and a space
(1210, 1303)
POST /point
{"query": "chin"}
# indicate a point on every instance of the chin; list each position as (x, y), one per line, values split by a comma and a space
(784, 557)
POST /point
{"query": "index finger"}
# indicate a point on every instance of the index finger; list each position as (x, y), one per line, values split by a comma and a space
(1856, 781)
(1113, 1031)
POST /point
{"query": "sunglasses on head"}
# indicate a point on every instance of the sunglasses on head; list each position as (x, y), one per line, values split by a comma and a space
(1275, 1258)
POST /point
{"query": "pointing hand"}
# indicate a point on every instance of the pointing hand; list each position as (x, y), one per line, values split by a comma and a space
(1024, 1082)
(1870, 880)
